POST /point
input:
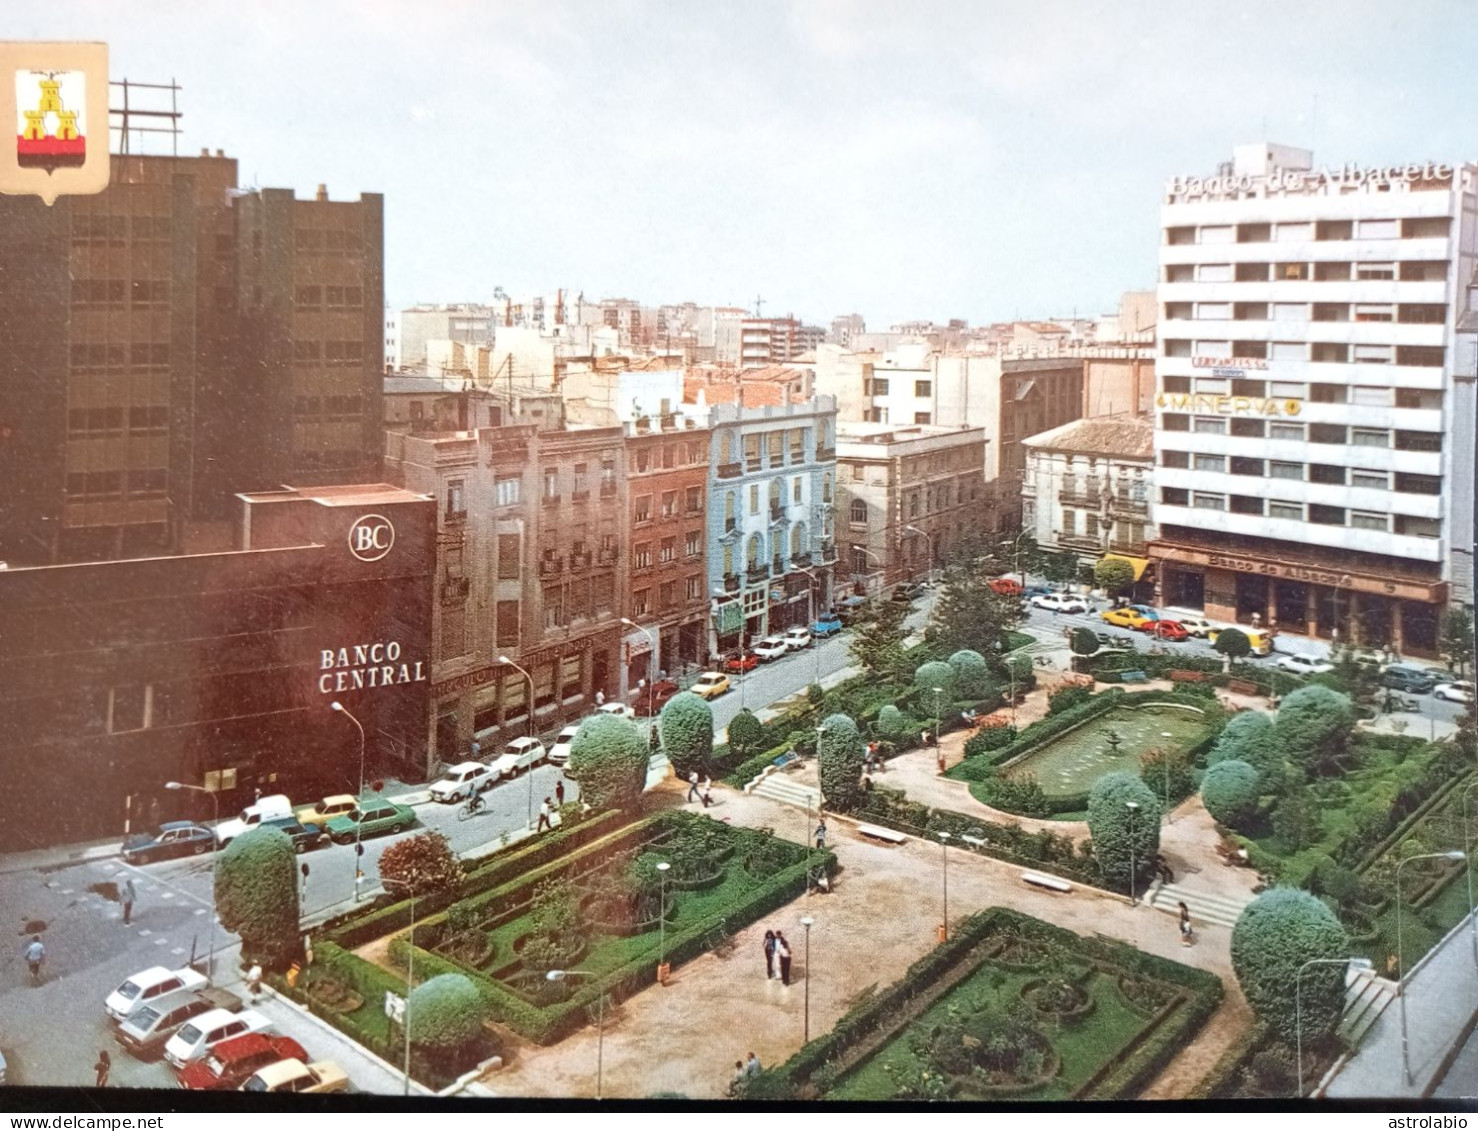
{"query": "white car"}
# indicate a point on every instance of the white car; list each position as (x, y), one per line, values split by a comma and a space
(151, 987)
(462, 781)
(519, 754)
(1197, 626)
(1460, 691)
(620, 710)
(1060, 603)
(1303, 665)
(797, 638)
(770, 648)
(196, 1038)
(710, 685)
(559, 753)
(262, 809)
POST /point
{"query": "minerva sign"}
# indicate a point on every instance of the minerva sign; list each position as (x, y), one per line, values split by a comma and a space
(1228, 406)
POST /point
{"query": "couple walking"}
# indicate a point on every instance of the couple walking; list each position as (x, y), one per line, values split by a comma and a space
(777, 950)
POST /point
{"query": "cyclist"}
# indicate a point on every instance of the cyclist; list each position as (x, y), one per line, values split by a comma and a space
(35, 952)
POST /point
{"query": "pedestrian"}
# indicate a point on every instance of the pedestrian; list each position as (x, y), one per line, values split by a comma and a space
(707, 794)
(102, 1068)
(128, 896)
(821, 834)
(254, 982)
(693, 785)
(476, 750)
(769, 954)
(559, 792)
(600, 698)
(738, 1081)
(35, 952)
(752, 1065)
(782, 952)
(1186, 934)
(544, 815)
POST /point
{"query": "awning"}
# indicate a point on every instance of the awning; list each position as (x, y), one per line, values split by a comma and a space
(1139, 564)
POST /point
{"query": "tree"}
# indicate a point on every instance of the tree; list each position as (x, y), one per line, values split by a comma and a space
(890, 723)
(1120, 833)
(1113, 575)
(256, 893)
(1297, 819)
(1232, 643)
(1066, 697)
(1313, 728)
(1456, 643)
(1276, 934)
(968, 614)
(877, 641)
(1230, 791)
(935, 673)
(421, 864)
(972, 674)
(445, 1014)
(1059, 569)
(839, 754)
(609, 757)
(1161, 764)
(1249, 737)
(1083, 642)
(1022, 672)
(746, 733)
(687, 732)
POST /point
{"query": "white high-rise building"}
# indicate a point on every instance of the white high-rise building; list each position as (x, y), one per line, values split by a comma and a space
(1315, 410)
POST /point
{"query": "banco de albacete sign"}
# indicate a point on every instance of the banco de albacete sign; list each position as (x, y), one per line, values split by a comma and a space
(1296, 180)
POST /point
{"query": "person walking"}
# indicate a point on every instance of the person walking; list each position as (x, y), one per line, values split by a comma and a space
(600, 698)
(769, 954)
(1187, 935)
(693, 785)
(559, 792)
(128, 897)
(782, 952)
(35, 954)
(544, 815)
(707, 794)
(821, 835)
(102, 1068)
(254, 982)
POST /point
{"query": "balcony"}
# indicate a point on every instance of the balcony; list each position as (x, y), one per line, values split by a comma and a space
(582, 560)
(826, 455)
(777, 567)
(580, 496)
(756, 574)
(731, 583)
(1080, 542)
(828, 552)
(1076, 496)
(1126, 505)
(777, 516)
(729, 471)
(455, 589)
(606, 557)
(802, 561)
(551, 567)
(551, 500)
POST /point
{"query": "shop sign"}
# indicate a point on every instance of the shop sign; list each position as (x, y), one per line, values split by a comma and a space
(1274, 569)
(363, 667)
(1242, 363)
(1229, 406)
(1295, 180)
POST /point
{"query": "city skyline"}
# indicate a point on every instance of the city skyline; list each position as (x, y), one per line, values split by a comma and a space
(638, 150)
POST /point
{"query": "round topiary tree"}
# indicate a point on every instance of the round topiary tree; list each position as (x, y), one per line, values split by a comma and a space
(1313, 728)
(746, 733)
(1113, 575)
(890, 723)
(1248, 737)
(936, 673)
(972, 674)
(445, 1016)
(609, 757)
(687, 732)
(1230, 790)
(1275, 935)
(839, 753)
(1121, 834)
(421, 864)
(1232, 643)
(1083, 642)
(256, 893)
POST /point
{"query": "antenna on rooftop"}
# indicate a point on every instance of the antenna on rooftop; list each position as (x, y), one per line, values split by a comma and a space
(123, 117)
(759, 305)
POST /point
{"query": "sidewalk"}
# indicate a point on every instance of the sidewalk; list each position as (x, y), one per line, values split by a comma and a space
(1441, 997)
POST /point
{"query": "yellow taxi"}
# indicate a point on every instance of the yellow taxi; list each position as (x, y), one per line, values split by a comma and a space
(710, 685)
(1125, 618)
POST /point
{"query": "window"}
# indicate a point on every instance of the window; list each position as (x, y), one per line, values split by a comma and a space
(1241, 426)
(544, 684)
(1215, 386)
(1286, 431)
(923, 389)
(667, 594)
(1205, 462)
(307, 298)
(554, 610)
(1288, 351)
(859, 513)
(923, 418)
(1216, 233)
(642, 508)
(1214, 425)
(607, 478)
(668, 552)
(879, 387)
(1366, 520)
(1375, 312)
(581, 489)
(1324, 393)
(641, 556)
(1278, 469)
(1430, 356)
(1418, 527)
(1418, 441)
(1409, 484)
(1374, 480)
(1333, 230)
(1246, 504)
(693, 543)
(569, 677)
(1243, 387)
(1290, 271)
(1174, 496)
(1207, 502)
(795, 489)
(1294, 233)
(1373, 397)
(752, 452)
(641, 602)
(1176, 384)
(507, 490)
(551, 485)
(1374, 355)
(1174, 459)
(505, 632)
(669, 504)
(456, 498)
(1328, 434)
(1249, 273)
(1377, 229)
(1331, 351)
(1254, 233)
(1290, 311)
(776, 444)
(1370, 437)
(693, 503)
(1326, 516)
(1331, 272)
(1326, 473)
(754, 498)
(1205, 311)
(1375, 270)
(130, 708)
(1246, 465)
(1286, 510)
(148, 421)
(695, 587)
(1295, 390)
(150, 484)
(1070, 523)
(508, 556)
(1175, 422)
(826, 488)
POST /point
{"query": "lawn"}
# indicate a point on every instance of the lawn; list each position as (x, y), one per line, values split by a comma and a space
(1072, 762)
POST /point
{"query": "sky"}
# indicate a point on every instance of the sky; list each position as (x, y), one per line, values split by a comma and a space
(910, 160)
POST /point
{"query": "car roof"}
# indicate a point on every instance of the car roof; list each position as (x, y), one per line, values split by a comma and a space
(522, 743)
(289, 1068)
(335, 798)
(570, 731)
(711, 675)
(169, 826)
(462, 767)
(251, 1044)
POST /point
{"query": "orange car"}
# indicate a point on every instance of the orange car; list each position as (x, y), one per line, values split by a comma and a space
(1006, 586)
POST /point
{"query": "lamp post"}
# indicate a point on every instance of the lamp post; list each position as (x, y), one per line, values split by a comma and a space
(1168, 817)
(1298, 1015)
(882, 565)
(410, 963)
(928, 573)
(1468, 848)
(938, 711)
(1016, 544)
(600, 1023)
(807, 921)
(944, 857)
(662, 868)
(358, 800)
(810, 840)
(651, 677)
(811, 611)
(1132, 807)
(210, 957)
(1400, 953)
(524, 672)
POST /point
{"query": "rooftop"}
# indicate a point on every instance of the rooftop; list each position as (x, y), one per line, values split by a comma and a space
(1122, 437)
(338, 495)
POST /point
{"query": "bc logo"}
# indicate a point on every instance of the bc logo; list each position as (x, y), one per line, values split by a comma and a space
(371, 537)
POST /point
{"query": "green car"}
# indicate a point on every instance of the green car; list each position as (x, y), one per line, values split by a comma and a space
(371, 819)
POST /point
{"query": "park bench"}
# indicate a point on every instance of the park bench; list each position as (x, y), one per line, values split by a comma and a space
(1242, 687)
(786, 759)
(1187, 677)
(973, 841)
(877, 833)
(1051, 883)
(1134, 677)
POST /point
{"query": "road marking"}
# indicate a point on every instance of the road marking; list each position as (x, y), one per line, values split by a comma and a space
(145, 931)
(166, 884)
(160, 941)
(67, 891)
(168, 895)
(178, 950)
(199, 911)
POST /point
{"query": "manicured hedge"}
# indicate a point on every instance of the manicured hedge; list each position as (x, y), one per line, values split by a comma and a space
(751, 768)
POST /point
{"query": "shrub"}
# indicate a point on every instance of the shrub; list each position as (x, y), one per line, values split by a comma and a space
(421, 864)
(987, 739)
(839, 752)
(972, 674)
(1313, 728)
(609, 757)
(1232, 643)
(1120, 834)
(1113, 575)
(256, 893)
(1297, 819)
(1249, 737)
(936, 673)
(446, 1014)
(1066, 697)
(1023, 671)
(1022, 794)
(687, 732)
(746, 735)
(890, 723)
(1276, 934)
(1159, 764)
(1083, 642)
(1230, 791)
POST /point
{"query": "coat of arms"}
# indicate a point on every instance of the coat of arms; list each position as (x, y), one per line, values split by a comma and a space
(56, 94)
(52, 107)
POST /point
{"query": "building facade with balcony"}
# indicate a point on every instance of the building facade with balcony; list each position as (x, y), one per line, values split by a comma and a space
(771, 541)
(1314, 420)
(906, 497)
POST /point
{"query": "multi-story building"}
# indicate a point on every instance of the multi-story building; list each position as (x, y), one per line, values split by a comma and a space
(1314, 425)
(667, 599)
(1087, 488)
(772, 341)
(845, 327)
(771, 546)
(907, 496)
(413, 327)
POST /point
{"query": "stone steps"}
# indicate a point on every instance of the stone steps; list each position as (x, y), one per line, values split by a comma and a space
(788, 791)
(1366, 997)
(1204, 907)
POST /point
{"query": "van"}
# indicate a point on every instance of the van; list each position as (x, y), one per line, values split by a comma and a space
(154, 986)
(145, 1030)
(264, 808)
(1262, 643)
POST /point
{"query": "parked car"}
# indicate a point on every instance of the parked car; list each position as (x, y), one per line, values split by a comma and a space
(1165, 630)
(200, 1035)
(908, 592)
(1037, 589)
(153, 986)
(742, 662)
(459, 782)
(229, 1064)
(797, 638)
(171, 839)
(1124, 618)
(519, 754)
(1006, 586)
(263, 808)
(143, 1032)
(850, 608)
(770, 648)
(1303, 665)
(654, 696)
(1459, 691)
(559, 753)
(304, 837)
(292, 1075)
(1197, 626)
(323, 811)
(710, 685)
(620, 710)
(1146, 611)
(371, 819)
(1261, 642)
(1404, 677)
(1060, 603)
(827, 624)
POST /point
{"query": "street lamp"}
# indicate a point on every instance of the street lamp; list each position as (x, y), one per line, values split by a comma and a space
(944, 855)
(928, 573)
(882, 565)
(810, 840)
(600, 1023)
(1016, 543)
(651, 678)
(662, 868)
(938, 711)
(210, 957)
(811, 611)
(1400, 954)
(807, 921)
(410, 963)
(1132, 807)
(1468, 847)
(524, 672)
(1166, 759)
(1358, 963)
(358, 800)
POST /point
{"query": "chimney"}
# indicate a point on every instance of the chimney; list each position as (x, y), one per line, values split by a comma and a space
(204, 152)
(322, 194)
(220, 153)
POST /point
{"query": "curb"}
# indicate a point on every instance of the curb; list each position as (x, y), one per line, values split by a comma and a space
(58, 857)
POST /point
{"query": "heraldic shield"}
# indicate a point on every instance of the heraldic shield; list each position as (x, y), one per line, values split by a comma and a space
(56, 94)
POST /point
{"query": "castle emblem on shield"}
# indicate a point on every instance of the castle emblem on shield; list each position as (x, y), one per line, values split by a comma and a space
(56, 97)
(52, 106)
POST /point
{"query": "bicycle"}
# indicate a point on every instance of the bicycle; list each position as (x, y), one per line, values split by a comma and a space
(471, 807)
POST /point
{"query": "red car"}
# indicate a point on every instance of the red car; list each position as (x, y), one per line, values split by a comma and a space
(1165, 629)
(231, 1063)
(744, 662)
(655, 697)
(1006, 586)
